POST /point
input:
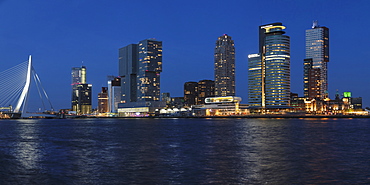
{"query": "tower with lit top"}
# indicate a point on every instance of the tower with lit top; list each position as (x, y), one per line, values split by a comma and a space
(316, 62)
(224, 66)
(269, 70)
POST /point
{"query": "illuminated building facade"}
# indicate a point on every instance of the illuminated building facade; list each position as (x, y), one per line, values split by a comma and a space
(103, 100)
(312, 80)
(140, 66)
(114, 93)
(81, 91)
(269, 70)
(255, 77)
(84, 99)
(221, 106)
(206, 88)
(317, 54)
(224, 66)
(196, 92)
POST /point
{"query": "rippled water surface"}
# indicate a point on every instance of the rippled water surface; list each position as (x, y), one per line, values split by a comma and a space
(185, 151)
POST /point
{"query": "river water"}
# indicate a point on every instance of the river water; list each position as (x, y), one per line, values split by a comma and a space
(185, 151)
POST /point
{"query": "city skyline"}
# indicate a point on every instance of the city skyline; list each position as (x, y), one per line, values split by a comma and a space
(78, 32)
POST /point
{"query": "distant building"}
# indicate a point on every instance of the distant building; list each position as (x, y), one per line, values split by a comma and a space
(81, 91)
(312, 81)
(190, 93)
(357, 103)
(206, 89)
(297, 102)
(103, 100)
(269, 70)
(166, 97)
(316, 62)
(140, 66)
(221, 106)
(114, 93)
(196, 92)
(224, 66)
(177, 102)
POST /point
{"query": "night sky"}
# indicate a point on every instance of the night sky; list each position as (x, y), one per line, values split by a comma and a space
(64, 34)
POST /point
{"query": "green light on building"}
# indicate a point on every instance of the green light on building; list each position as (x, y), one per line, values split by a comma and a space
(347, 94)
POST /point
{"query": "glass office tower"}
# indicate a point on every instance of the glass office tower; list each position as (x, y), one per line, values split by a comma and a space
(81, 91)
(269, 70)
(316, 62)
(140, 66)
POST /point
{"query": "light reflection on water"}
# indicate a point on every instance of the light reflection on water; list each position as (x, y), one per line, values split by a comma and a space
(27, 147)
(184, 151)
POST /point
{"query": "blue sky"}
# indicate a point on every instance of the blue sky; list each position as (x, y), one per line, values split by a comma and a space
(63, 34)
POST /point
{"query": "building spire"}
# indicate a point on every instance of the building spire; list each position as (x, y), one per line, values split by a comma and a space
(315, 24)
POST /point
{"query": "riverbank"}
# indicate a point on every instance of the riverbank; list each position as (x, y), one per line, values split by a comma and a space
(236, 117)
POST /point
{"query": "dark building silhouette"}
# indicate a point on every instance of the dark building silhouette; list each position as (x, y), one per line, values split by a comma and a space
(196, 92)
(190, 93)
(103, 100)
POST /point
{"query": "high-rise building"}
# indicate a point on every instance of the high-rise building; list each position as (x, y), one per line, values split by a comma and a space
(224, 66)
(206, 89)
(103, 100)
(312, 80)
(316, 62)
(269, 70)
(256, 76)
(81, 91)
(114, 93)
(190, 93)
(196, 92)
(140, 66)
(84, 99)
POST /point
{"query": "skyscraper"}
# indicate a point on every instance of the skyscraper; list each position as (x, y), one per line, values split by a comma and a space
(269, 70)
(114, 93)
(315, 64)
(224, 66)
(140, 66)
(81, 91)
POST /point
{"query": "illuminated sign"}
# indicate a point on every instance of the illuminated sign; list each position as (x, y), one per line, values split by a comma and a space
(226, 99)
(347, 94)
(136, 109)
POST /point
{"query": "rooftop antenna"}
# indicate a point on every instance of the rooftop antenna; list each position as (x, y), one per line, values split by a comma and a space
(315, 24)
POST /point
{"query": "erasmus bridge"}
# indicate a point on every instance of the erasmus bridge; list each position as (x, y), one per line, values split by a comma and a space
(15, 85)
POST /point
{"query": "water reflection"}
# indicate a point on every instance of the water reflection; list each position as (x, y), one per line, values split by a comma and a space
(184, 151)
(27, 144)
